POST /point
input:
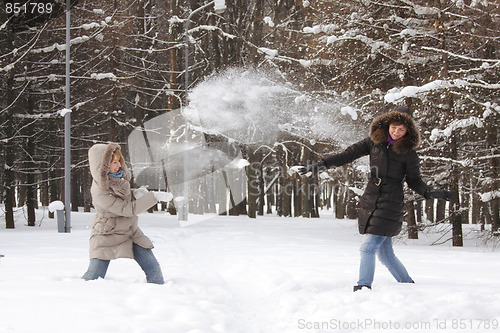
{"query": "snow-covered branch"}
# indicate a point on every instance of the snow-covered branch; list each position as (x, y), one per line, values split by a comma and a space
(31, 44)
(455, 124)
(211, 28)
(445, 159)
(396, 94)
(488, 196)
(497, 61)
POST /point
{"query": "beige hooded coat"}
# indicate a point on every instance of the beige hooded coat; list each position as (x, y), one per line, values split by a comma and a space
(114, 229)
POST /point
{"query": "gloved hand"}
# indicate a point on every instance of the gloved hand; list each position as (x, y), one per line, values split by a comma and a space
(163, 196)
(438, 194)
(139, 192)
(312, 170)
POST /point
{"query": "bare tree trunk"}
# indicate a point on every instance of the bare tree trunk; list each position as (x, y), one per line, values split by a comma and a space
(53, 188)
(305, 197)
(9, 183)
(253, 184)
(9, 186)
(257, 23)
(173, 102)
(87, 198)
(317, 201)
(75, 183)
(440, 210)
(9, 198)
(339, 203)
(494, 163)
(429, 209)
(222, 193)
(297, 197)
(305, 187)
(418, 210)
(262, 194)
(31, 197)
(410, 220)
(455, 212)
(44, 189)
(286, 183)
(476, 207)
(240, 193)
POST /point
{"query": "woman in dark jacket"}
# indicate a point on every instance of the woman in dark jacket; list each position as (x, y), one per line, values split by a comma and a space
(393, 139)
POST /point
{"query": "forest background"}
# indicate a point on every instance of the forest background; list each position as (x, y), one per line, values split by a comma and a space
(338, 65)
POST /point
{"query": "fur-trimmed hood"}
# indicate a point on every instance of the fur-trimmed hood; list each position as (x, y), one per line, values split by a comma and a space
(380, 126)
(99, 162)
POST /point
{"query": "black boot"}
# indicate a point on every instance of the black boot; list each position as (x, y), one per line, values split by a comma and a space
(356, 288)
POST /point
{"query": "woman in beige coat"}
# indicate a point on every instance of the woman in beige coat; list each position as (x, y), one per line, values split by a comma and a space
(115, 232)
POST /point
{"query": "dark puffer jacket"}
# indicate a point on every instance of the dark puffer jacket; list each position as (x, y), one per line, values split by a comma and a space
(382, 204)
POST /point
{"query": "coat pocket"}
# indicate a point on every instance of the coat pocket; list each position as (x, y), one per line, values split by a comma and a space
(105, 225)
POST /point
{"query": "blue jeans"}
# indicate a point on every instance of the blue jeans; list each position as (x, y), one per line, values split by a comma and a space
(144, 257)
(382, 246)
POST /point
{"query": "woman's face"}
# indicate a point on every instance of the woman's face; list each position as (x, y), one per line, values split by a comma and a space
(397, 131)
(115, 165)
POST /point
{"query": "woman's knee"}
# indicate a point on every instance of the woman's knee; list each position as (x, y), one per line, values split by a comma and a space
(371, 244)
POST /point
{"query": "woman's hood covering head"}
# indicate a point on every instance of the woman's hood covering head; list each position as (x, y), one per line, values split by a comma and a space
(99, 161)
(380, 126)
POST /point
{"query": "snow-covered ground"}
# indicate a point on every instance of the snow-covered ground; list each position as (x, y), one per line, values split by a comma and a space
(237, 275)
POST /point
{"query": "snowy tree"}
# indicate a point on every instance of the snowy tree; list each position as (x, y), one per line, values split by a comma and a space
(321, 66)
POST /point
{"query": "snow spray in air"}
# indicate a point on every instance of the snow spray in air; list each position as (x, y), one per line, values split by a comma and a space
(244, 107)
(254, 107)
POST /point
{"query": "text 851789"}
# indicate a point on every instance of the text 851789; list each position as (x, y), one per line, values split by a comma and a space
(19, 8)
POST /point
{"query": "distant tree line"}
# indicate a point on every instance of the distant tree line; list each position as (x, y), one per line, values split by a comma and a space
(127, 66)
